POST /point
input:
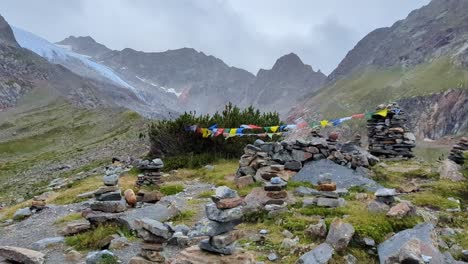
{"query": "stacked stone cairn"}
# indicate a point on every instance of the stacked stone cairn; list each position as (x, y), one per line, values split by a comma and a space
(275, 190)
(225, 210)
(389, 136)
(38, 203)
(154, 235)
(151, 172)
(458, 152)
(326, 194)
(109, 197)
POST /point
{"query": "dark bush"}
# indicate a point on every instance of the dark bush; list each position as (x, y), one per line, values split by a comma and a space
(182, 148)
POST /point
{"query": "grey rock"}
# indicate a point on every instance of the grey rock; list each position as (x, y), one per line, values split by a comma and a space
(289, 243)
(246, 170)
(209, 167)
(158, 162)
(205, 245)
(21, 255)
(377, 207)
(206, 227)
(155, 227)
(97, 257)
(46, 242)
(318, 230)
(384, 192)
(109, 206)
(324, 178)
(109, 196)
(369, 242)
(287, 234)
(321, 254)
(75, 227)
(226, 239)
(263, 232)
(22, 213)
(119, 243)
(111, 180)
(340, 235)
(390, 249)
(251, 149)
(330, 202)
(182, 229)
(343, 176)
(305, 191)
(224, 192)
(179, 239)
(350, 259)
(293, 165)
(258, 142)
(272, 257)
(225, 215)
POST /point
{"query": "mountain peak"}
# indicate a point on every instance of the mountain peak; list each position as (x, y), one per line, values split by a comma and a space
(6, 33)
(288, 61)
(85, 45)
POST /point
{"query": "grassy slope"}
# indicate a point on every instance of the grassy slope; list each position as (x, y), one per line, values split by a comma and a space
(43, 133)
(364, 90)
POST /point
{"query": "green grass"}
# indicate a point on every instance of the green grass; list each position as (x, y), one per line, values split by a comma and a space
(184, 217)
(171, 189)
(206, 194)
(68, 218)
(92, 239)
(431, 200)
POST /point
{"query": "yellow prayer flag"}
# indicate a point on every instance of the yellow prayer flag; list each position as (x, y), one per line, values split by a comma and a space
(382, 112)
(274, 128)
(324, 123)
(205, 132)
(233, 131)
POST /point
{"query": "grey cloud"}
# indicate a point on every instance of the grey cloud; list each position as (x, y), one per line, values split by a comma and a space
(244, 33)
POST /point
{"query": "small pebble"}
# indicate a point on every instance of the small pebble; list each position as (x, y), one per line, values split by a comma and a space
(263, 232)
(272, 257)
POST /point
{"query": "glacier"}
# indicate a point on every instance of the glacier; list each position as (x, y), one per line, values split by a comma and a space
(60, 55)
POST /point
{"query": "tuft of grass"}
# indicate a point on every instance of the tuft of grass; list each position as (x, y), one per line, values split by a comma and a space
(184, 216)
(293, 185)
(68, 218)
(92, 239)
(171, 189)
(69, 195)
(8, 212)
(206, 194)
(431, 200)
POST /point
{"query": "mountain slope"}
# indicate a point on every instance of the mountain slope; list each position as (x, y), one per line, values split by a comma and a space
(425, 53)
(84, 45)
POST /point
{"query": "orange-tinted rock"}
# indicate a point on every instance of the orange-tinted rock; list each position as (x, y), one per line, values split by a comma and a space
(152, 197)
(229, 203)
(278, 195)
(329, 187)
(244, 181)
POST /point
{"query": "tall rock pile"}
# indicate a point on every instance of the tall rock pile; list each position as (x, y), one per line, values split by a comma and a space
(389, 136)
(226, 210)
(151, 172)
(109, 197)
(457, 154)
(154, 235)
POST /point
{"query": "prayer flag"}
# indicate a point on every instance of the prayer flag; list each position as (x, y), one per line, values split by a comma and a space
(324, 123)
(382, 112)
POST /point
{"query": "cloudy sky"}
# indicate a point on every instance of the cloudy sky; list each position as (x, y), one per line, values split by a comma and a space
(249, 34)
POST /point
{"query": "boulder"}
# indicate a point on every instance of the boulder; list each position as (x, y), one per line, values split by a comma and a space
(321, 254)
(450, 170)
(130, 197)
(343, 177)
(403, 246)
(111, 180)
(47, 242)
(401, 210)
(340, 235)
(226, 215)
(22, 213)
(75, 227)
(377, 207)
(21, 255)
(109, 206)
(330, 202)
(152, 197)
(318, 230)
(244, 181)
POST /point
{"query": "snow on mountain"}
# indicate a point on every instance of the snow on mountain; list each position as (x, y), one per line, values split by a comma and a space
(62, 55)
(167, 90)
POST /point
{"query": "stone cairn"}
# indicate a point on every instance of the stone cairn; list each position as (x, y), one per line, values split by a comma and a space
(326, 194)
(154, 235)
(225, 211)
(388, 136)
(457, 154)
(109, 197)
(151, 172)
(38, 203)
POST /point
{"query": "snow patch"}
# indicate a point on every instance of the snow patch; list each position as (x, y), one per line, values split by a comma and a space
(167, 90)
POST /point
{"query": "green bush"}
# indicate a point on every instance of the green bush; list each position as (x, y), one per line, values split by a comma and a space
(182, 148)
(171, 189)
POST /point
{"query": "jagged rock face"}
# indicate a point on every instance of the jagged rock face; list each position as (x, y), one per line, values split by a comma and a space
(439, 114)
(438, 29)
(85, 45)
(6, 34)
(285, 83)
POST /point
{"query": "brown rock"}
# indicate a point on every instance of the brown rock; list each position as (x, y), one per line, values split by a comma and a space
(401, 210)
(312, 150)
(73, 256)
(130, 197)
(139, 260)
(21, 255)
(278, 195)
(152, 197)
(397, 129)
(329, 187)
(229, 203)
(257, 198)
(154, 256)
(193, 255)
(38, 203)
(244, 181)
(75, 227)
(408, 188)
(268, 175)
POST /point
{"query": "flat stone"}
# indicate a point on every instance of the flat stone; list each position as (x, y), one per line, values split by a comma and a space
(228, 250)
(451, 171)
(119, 243)
(224, 240)
(391, 250)
(228, 203)
(140, 260)
(109, 206)
(277, 167)
(309, 202)
(155, 227)
(293, 165)
(21, 255)
(384, 192)
(278, 194)
(329, 187)
(75, 227)
(321, 254)
(330, 202)
(272, 257)
(246, 171)
(401, 210)
(105, 189)
(274, 187)
(111, 180)
(194, 255)
(22, 213)
(244, 181)
(340, 235)
(343, 177)
(46, 242)
(226, 215)
(109, 196)
(152, 197)
(369, 242)
(206, 227)
(305, 191)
